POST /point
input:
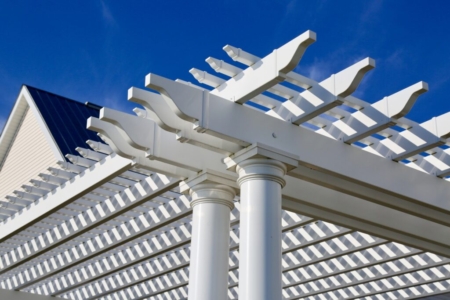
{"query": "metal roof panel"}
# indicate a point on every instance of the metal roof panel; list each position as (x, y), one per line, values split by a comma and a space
(66, 119)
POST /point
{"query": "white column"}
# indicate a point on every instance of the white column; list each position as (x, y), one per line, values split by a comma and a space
(261, 181)
(208, 273)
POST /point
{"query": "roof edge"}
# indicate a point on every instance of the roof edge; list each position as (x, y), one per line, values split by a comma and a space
(13, 123)
(24, 102)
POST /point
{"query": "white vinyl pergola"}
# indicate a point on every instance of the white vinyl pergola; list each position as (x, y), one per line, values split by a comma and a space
(311, 193)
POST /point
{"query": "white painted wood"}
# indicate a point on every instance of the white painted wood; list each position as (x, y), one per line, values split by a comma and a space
(398, 104)
(208, 272)
(323, 154)
(266, 72)
(352, 212)
(169, 122)
(326, 178)
(370, 119)
(194, 159)
(261, 181)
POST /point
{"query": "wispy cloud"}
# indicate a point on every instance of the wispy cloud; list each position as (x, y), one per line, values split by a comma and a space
(439, 82)
(115, 102)
(290, 8)
(318, 70)
(107, 15)
(321, 69)
(294, 6)
(395, 59)
(371, 9)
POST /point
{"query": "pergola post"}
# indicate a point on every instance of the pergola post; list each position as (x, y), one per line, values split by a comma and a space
(261, 173)
(261, 181)
(211, 202)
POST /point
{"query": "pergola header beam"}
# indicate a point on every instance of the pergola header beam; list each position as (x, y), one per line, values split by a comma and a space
(359, 218)
(322, 154)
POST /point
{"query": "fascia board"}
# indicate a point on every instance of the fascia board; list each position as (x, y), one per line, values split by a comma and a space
(23, 102)
(12, 125)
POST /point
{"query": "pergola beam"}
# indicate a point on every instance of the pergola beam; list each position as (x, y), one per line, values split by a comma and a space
(330, 205)
(351, 193)
(327, 156)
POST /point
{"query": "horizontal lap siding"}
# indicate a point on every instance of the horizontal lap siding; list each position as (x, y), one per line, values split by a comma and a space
(29, 155)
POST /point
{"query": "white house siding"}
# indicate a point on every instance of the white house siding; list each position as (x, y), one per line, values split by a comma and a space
(29, 155)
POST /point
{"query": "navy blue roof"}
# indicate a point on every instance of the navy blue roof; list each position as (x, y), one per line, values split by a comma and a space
(66, 119)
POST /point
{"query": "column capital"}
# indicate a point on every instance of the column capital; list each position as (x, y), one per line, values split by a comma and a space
(261, 151)
(212, 193)
(261, 168)
(211, 187)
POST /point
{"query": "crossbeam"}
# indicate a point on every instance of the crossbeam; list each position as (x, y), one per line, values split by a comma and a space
(349, 191)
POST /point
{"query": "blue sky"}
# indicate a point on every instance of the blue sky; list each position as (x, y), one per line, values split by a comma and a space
(95, 50)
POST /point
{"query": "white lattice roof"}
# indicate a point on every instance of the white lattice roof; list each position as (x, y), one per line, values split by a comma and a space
(109, 227)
